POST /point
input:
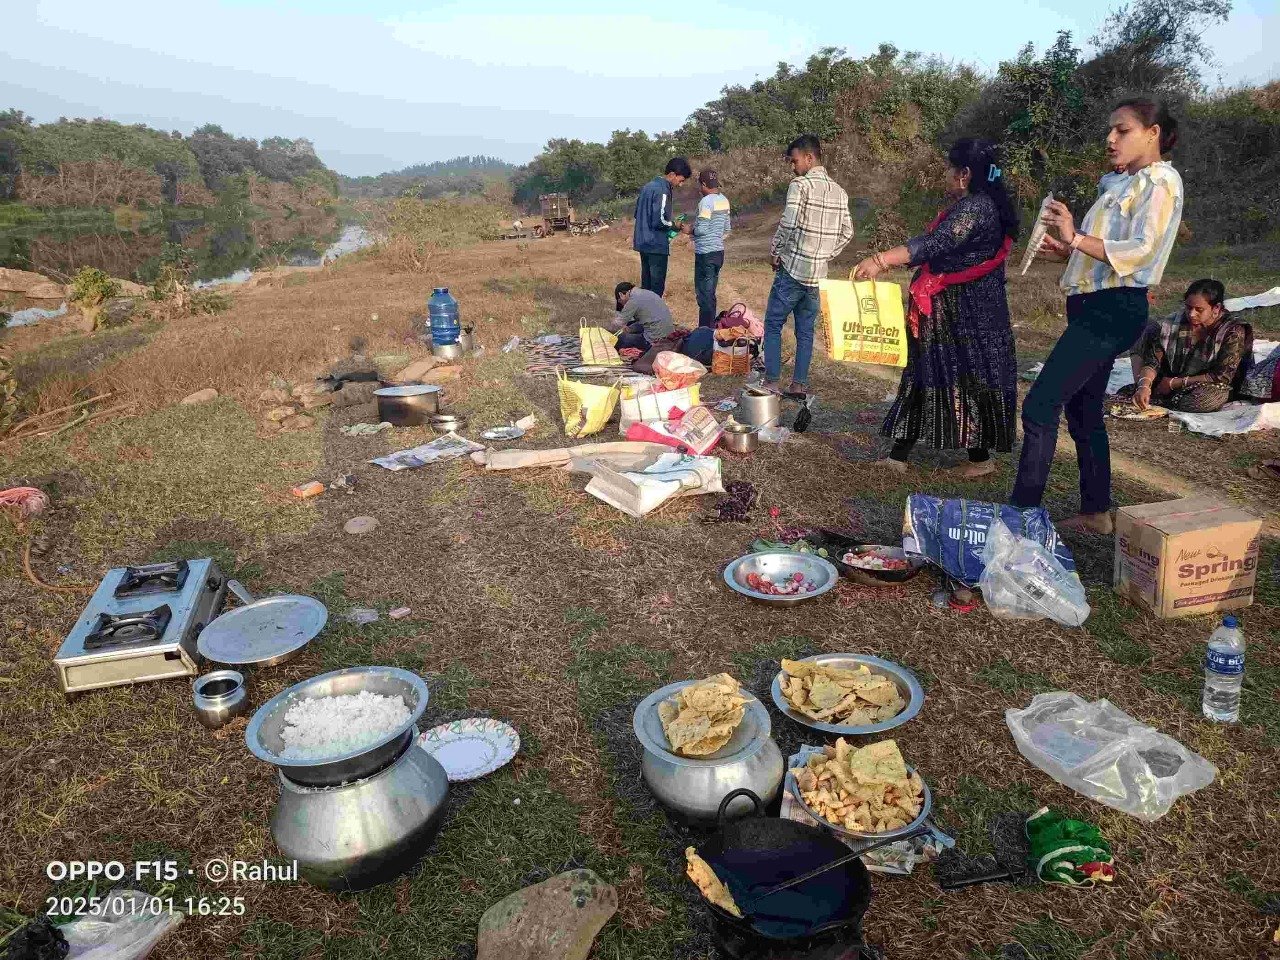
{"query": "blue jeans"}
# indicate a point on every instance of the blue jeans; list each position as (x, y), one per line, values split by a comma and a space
(789, 297)
(706, 274)
(1100, 327)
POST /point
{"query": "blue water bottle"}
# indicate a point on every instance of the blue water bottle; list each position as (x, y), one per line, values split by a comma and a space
(442, 310)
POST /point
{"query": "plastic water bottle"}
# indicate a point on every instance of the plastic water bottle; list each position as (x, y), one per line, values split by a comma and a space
(442, 309)
(1224, 672)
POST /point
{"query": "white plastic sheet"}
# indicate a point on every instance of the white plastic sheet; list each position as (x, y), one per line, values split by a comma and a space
(1100, 751)
(125, 927)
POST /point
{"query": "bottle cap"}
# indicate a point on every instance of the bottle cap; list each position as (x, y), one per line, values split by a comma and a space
(1230, 622)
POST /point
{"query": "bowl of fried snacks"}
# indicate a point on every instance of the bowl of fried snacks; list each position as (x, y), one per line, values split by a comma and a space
(847, 693)
(860, 791)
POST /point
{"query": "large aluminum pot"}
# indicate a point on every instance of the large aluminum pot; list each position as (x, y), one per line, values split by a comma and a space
(364, 833)
(693, 787)
(409, 405)
(759, 407)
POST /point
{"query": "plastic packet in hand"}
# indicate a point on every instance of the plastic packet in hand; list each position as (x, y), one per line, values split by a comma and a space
(1100, 751)
(1021, 580)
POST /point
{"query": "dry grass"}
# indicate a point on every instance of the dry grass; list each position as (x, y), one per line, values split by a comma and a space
(538, 604)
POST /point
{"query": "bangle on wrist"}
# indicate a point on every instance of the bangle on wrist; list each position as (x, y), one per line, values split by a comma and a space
(1075, 241)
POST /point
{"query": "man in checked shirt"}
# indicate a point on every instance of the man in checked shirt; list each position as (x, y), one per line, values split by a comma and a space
(815, 227)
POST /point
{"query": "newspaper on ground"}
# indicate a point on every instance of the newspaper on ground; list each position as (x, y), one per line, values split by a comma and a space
(449, 447)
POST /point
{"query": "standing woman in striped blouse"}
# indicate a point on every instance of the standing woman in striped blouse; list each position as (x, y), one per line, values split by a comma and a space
(1120, 251)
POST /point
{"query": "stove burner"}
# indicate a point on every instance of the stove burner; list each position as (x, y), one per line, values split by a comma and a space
(122, 630)
(842, 944)
(152, 578)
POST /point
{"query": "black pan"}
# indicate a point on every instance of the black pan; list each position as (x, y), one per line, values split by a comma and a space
(836, 545)
(755, 853)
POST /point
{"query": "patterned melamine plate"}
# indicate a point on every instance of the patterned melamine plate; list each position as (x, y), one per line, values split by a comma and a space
(471, 748)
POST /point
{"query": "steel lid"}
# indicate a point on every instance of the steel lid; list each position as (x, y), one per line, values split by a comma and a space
(263, 633)
(407, 390)
(750, 736)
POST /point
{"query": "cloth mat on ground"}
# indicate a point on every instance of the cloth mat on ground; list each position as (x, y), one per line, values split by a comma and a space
(1236, 417)
(544, 358)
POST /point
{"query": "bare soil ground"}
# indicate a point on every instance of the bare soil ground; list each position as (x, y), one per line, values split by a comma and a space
(538, 604)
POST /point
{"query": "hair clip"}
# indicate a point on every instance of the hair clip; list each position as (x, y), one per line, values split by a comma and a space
(993, 173)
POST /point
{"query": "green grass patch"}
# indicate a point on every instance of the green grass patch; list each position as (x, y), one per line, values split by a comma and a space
(606, 678)
(270, 939)
(969, 809)
(1005, 677)
(1042, 939)
(1106, 623)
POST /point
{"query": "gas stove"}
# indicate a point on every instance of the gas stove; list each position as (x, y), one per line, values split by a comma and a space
(141, 624)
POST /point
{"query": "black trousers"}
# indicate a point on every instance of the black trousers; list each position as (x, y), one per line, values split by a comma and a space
(653, 272)
(706, 275)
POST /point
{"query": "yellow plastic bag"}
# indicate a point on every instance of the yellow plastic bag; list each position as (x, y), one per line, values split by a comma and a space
(864, 321)
(586, 407)
(599, 346)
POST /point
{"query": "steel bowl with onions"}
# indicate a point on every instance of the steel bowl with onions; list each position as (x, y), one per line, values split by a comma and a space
(779, 565)
(264, 734)
(908, 688)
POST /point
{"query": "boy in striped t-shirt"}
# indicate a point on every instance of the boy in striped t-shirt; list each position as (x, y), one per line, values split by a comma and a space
(710, 227)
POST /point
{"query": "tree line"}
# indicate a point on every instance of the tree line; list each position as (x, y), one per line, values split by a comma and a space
(460, 176)
(78, 162)
(888, 115)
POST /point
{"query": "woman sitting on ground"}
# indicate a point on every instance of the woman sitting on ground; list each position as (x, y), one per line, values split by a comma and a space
(1194, 359)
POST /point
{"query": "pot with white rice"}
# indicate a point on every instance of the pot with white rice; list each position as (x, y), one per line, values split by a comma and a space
(359, 802)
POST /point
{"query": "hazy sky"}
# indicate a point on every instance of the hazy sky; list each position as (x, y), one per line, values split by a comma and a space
(380, 84)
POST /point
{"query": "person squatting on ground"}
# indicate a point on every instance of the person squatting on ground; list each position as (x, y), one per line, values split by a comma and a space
(643, 317)
(710, 227)
(653, 221)
(1193, 360)
(814, 229)
(1119, 252)
(959, 389)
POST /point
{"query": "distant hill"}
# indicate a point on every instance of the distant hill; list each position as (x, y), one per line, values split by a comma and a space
(460, 176)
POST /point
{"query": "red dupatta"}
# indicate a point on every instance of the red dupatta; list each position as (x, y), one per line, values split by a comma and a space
(928, 284)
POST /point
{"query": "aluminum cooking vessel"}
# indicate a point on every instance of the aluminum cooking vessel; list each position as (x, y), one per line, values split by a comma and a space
(758, 407)
(409, 405)
(693, 787)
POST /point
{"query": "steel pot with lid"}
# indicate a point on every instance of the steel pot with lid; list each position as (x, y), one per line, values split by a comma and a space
(693, 787)
(408, 405)
(759, 407)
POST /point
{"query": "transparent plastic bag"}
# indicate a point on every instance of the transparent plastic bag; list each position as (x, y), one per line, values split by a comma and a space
(1100, 751)
(126, 926)
(1021, 580)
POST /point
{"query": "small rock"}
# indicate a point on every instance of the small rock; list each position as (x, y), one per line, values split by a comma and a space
(357, 525)
(201, 396)
(279, 414)
(336, 328)
(557, 919)
(270, 426)
(130, 289)
(117, 311)
(354, 394)
(46, 291)
(441, 374)
(299, 422)
(274, 395)
(313, 389)
(399, 613)
(20, 281)
(416, 371)
(311, 403)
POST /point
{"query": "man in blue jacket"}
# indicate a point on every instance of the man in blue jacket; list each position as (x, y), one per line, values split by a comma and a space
(653, 221)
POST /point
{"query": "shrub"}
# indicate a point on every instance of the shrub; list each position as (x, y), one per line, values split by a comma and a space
(91, 287)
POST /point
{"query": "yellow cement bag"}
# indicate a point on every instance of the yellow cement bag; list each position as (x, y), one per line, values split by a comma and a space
(586, 407)
(599, 346)
(864, 321)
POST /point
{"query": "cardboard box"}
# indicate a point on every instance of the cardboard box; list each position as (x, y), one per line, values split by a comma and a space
(1187, 557)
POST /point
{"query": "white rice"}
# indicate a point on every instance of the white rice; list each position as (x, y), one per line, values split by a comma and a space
(332, 726)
